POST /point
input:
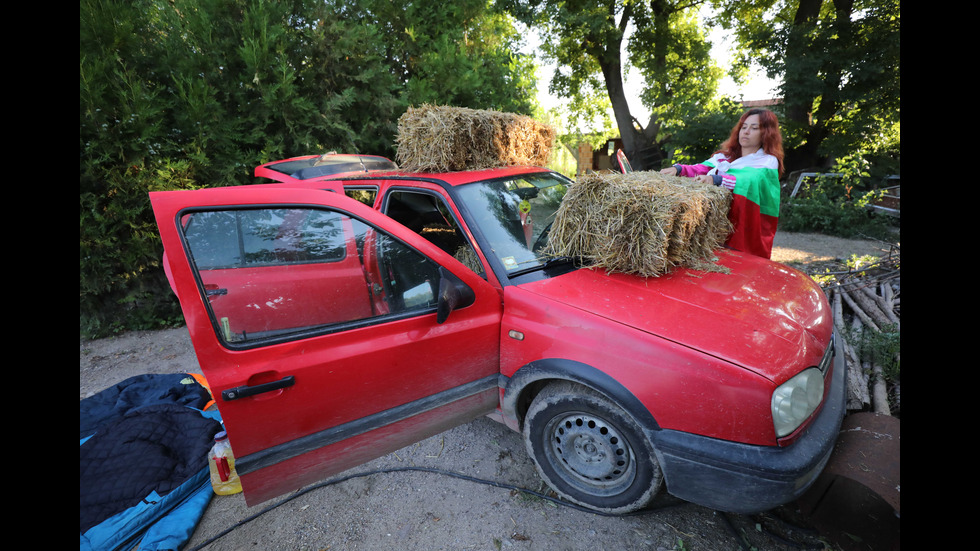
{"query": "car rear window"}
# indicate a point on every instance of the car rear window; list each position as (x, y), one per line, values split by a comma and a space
(318, 167)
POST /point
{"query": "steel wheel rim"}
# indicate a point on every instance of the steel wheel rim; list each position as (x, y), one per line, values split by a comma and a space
(591, 453)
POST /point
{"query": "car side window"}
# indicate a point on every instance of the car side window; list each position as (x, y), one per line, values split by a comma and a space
(429, 216)
(274, 273)
(365, 194)
(227, 239)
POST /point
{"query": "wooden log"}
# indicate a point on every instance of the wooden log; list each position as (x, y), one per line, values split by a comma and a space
(868, 375)
(888, 316)
(837, 308)
(838, 312)
(858, 397)
(869, 306)
(858, 311)
(879, 391)
(888, 294)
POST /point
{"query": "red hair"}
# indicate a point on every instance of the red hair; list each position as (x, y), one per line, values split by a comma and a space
(772, 140)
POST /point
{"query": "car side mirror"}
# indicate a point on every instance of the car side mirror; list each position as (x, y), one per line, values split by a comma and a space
(453, 294)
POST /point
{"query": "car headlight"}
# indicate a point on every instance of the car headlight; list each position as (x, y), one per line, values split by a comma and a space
(794, 400)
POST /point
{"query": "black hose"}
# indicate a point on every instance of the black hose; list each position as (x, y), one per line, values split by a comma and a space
(417, 469)
(743, 542)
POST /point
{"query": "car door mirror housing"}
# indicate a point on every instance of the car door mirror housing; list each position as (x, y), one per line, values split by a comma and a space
(453, 294)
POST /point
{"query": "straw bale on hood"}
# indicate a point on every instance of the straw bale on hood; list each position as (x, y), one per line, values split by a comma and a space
(643, 223)
(442, 139)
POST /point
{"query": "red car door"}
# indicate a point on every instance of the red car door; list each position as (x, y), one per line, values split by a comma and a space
(316, 365)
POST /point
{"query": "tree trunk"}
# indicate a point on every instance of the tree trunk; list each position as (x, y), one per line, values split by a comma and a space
(612, 72)
(610, 61)
(804, 83)
(798, 81)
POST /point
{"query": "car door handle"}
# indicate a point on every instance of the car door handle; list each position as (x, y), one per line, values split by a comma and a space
(245, 391)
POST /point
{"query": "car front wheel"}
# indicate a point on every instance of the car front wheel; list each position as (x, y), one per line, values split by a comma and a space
(590, 451)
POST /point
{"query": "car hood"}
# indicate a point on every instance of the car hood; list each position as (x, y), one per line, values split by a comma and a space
(764, 316)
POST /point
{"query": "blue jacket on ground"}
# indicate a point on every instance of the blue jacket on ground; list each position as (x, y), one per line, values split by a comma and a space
(143, 468)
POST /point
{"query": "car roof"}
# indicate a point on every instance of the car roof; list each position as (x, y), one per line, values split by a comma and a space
(311, 171)
(454, 178)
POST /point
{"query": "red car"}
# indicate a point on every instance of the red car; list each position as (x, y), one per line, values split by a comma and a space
(327, 165)
(333, 332)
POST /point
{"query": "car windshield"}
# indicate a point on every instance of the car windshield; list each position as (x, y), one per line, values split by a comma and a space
(515, 215)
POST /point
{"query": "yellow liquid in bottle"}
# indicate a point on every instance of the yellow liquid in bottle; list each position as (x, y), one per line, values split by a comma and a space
(233, 484)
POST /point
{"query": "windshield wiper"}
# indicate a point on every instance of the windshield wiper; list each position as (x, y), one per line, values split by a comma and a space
(549, 263)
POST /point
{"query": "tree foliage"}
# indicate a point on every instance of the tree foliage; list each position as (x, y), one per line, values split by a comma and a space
(838, 62)
(662, 39)
(699, 136)
(456, 53)
(178, 94)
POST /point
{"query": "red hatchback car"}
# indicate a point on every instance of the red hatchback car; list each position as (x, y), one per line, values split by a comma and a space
(327, 165)
(335, 330)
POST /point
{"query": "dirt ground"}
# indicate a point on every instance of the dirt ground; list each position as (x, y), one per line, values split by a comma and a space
(414, 510)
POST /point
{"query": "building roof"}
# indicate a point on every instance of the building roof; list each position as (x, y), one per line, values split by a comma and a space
(762, 102)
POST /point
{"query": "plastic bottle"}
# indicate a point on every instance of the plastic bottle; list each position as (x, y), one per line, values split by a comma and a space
(224, 478)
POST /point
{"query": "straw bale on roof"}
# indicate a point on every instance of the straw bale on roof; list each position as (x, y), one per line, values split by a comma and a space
(442, 139)
(642, 223)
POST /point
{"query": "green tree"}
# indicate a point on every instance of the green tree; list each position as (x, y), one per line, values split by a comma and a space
(177, 94)
(122, 121)
(839, 66)
(462, 53)
(699, 135)
(586, 39)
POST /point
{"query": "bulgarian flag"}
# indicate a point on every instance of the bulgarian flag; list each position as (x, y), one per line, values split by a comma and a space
(754, 213)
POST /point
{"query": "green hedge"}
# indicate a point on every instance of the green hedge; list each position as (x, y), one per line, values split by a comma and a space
(179, 94)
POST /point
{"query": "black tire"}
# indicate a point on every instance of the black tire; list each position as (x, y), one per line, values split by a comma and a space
(590, 451)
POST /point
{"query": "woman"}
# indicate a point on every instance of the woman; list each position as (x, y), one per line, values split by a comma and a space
(749, 164)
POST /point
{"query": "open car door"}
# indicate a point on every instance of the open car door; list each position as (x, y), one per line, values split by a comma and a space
(321, 354)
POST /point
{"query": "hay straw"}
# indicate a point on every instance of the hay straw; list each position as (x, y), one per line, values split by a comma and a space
(643, 223)
(442, 139)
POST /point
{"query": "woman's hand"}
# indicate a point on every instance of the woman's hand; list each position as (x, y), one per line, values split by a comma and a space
(706, 179)
(669, 170)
